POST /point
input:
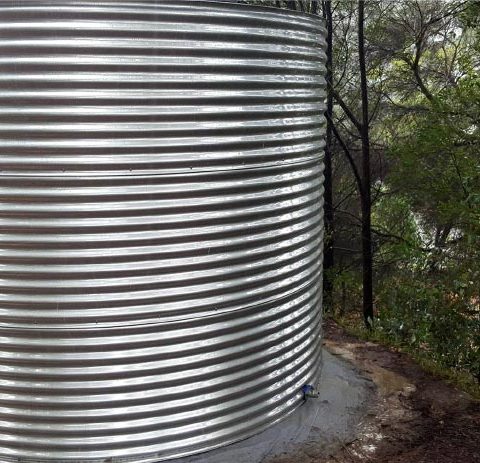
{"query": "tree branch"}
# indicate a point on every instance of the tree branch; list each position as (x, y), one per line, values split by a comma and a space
(349, 158)
(346, 109)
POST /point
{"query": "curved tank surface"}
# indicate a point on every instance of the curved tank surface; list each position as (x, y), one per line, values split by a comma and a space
(161, 225)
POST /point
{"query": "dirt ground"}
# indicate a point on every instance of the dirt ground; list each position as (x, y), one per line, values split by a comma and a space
(416, 417)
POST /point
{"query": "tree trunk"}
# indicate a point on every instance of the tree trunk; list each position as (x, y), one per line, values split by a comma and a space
(292, 5)
(367, 258)
(328, 258)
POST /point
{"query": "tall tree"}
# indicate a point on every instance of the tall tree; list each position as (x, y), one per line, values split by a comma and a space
(359, 134)
(366, 201)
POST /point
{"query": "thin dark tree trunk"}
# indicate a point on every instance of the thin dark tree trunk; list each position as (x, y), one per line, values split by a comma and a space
(367, 258)
(328, 258)
(344, 299)
(292, 5)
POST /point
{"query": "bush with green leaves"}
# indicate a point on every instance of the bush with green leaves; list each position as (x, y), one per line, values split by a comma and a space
(425, 314)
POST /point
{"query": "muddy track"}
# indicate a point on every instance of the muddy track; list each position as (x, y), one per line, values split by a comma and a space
(417, 418)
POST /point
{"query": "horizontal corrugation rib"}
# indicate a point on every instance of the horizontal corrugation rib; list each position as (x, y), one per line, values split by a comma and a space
(161, 225)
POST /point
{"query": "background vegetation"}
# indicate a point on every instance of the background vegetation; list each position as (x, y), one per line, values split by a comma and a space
(403, 174)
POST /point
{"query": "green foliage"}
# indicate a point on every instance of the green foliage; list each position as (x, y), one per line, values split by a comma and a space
(436, 163)
(424, 85)
(397, 232)
(425, 314)
(347, 291)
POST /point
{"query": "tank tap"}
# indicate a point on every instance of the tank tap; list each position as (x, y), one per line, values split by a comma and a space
(309, 391)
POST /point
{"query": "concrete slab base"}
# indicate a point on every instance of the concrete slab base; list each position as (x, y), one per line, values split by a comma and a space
(327, 422)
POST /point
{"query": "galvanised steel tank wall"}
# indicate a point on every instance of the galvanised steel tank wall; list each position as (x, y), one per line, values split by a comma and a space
(161, 225)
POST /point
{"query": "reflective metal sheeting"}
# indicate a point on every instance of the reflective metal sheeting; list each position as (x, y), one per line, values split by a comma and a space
(161, 225)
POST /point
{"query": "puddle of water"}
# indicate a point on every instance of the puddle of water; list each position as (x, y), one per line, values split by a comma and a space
(389, 382)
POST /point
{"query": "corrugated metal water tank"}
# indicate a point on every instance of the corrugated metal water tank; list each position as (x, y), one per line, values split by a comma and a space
(161, 225)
